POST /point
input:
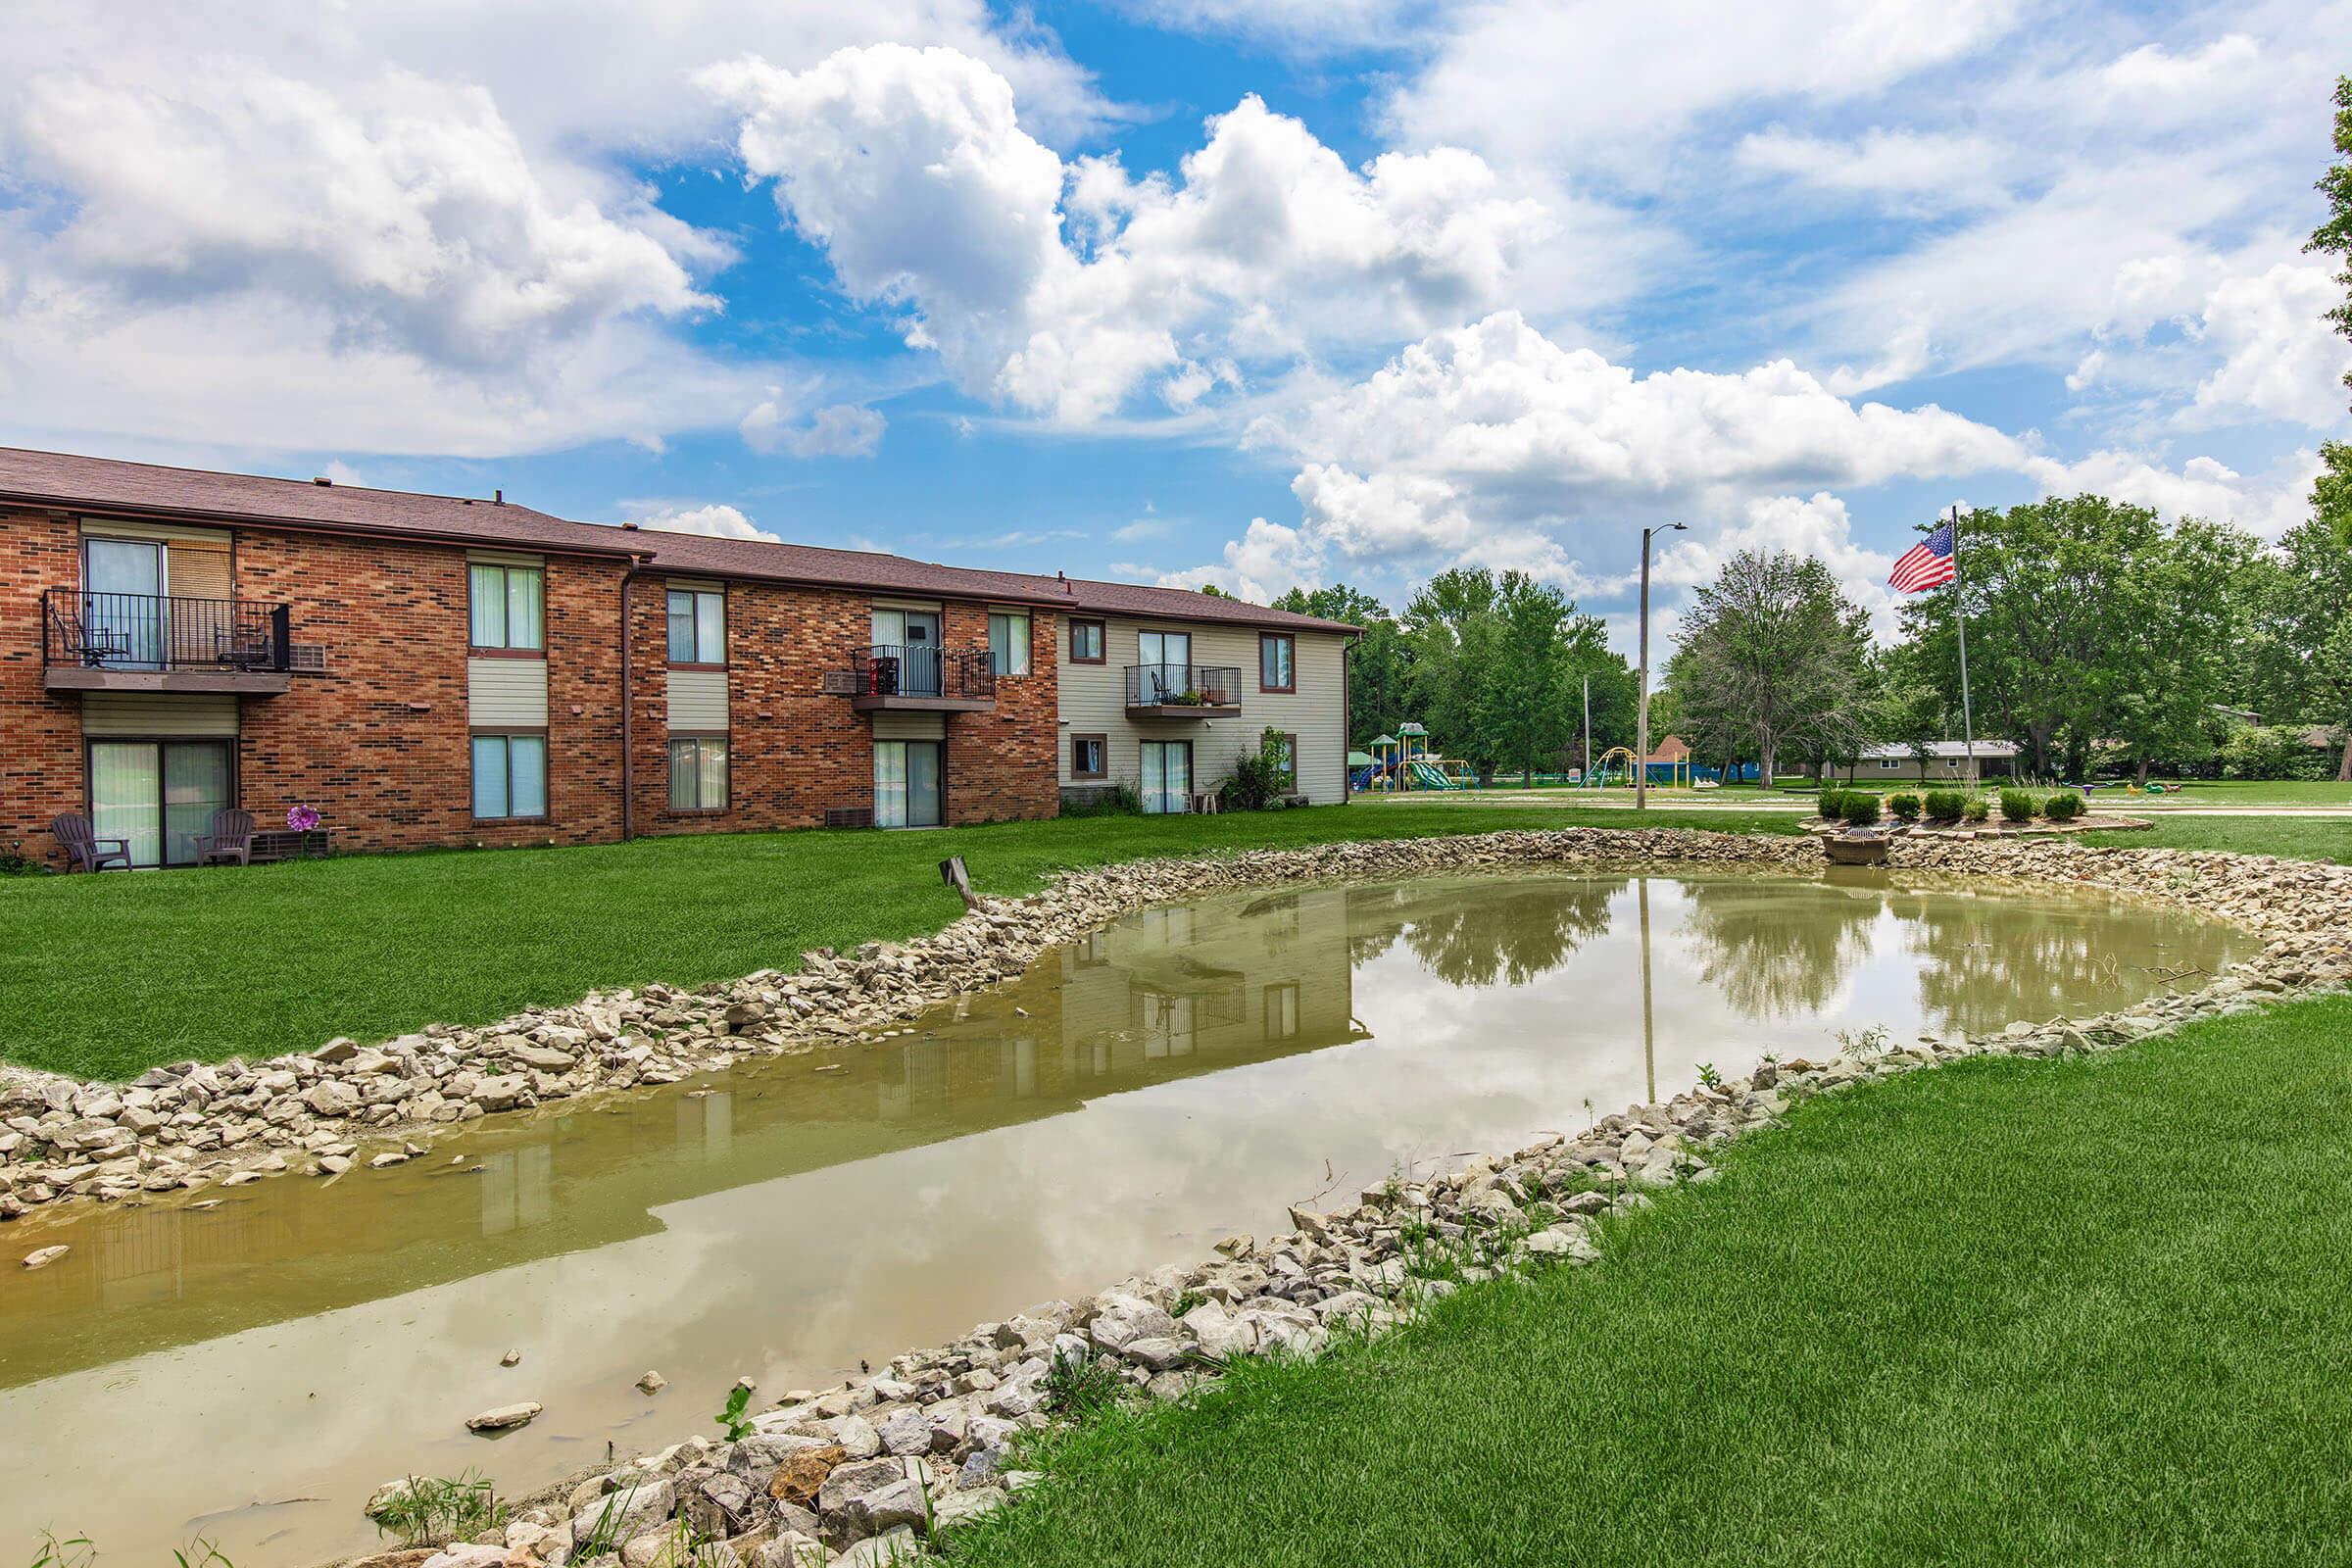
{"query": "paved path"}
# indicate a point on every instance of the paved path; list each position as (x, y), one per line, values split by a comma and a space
(1660, 800)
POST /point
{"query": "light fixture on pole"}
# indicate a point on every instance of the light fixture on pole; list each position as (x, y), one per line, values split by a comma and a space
(1642, 722)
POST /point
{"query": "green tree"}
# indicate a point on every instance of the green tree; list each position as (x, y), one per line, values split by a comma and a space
(1377, 665)
(1774, 647)
(2332, 496)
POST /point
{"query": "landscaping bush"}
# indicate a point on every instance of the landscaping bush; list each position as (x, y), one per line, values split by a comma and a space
(2063, 807)
(1903, 806)
(1258, 780)
(1976, 808)
(1120, 800)
(1832, 802)
(2016, 806)
(1946, 805)
(1859, 809)
(2274, 751)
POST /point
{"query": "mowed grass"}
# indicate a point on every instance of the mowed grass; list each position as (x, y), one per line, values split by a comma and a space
(2001, 1314)
(2299, 838)
(105, 976)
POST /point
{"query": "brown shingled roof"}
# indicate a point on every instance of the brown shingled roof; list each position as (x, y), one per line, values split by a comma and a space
(102, 484)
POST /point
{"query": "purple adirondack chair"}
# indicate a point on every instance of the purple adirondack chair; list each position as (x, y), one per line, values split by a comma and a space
(85, 849)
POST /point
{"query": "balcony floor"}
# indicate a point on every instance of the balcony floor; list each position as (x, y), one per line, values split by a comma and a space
(901, 703)
(244, 682)
(1183, 710)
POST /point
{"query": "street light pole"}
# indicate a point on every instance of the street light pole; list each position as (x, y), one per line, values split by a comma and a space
(1642, 722)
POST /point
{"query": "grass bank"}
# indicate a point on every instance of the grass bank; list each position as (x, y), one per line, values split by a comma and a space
(105, 976)
(2297, 838)
(1999, 1313)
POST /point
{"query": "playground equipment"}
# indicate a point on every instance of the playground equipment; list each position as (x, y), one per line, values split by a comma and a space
(1615, 767)
(1404, 762)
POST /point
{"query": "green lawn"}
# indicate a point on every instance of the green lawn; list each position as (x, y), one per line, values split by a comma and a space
(2001, 1313)
(2301, 838)
(108, 975)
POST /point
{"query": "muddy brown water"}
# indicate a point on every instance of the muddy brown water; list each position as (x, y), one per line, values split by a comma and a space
(248, 1373)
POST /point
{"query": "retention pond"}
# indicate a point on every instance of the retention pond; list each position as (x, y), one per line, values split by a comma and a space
(248, 1372)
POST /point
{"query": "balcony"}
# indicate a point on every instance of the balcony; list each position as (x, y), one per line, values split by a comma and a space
(918, 677)
(1184, 691)
(105, 642)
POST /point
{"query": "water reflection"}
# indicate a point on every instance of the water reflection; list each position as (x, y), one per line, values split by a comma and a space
(1185, 1074)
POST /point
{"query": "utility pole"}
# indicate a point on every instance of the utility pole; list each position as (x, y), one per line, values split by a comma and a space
(1968, 717)
(1642, 722)
(1588, 769)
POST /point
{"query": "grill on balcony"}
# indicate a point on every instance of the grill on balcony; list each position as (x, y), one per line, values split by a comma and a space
(921, 676)
(1184, 691)
(153, 642)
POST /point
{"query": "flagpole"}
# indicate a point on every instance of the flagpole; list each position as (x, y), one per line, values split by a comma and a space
(1968, 717)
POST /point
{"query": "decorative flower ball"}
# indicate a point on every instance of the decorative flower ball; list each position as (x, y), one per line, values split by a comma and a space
(301, 818)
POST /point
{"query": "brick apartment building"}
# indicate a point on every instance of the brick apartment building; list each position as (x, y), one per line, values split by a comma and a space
(436, 670)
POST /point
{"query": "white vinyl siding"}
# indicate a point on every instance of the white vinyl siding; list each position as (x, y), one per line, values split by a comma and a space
(1093, 701)
(507, 691)
(143, 713)
(698, 699)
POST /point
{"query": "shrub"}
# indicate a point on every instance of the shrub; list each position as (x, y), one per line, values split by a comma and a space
(2016, 806)
(1976, 808)
(1903, 806)
(1258, 779)
(1120, 800)
(2272, 752)
(2063, 807)
(1946, 805)
(1832, 802)
(1860, 810)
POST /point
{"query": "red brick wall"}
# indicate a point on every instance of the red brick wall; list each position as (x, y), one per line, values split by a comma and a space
(1005, 765)
(40, 736)
(380, 741)
(792, 751)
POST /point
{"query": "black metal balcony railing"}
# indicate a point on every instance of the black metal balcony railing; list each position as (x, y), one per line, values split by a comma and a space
(921, 669)
(1184, 686)
(154, 631)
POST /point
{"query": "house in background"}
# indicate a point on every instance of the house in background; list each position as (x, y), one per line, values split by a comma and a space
(1946, 762)
(430, 670)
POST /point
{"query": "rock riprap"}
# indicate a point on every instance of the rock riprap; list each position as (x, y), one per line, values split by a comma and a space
(349, 1108)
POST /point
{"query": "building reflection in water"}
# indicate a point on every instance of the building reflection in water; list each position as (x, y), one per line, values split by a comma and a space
(1165, 995)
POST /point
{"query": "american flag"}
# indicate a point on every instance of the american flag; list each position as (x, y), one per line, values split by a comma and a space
(1925, 564)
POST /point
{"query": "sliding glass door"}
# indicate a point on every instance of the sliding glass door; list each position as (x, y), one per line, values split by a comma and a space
(1167, 781)
(122, 604)
(907, 783)
(158, 796)
(1165, 661)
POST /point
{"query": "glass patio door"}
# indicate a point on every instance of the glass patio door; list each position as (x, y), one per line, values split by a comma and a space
(1167, 781)
(1166, 658)
(907, 783)
(911, 637)
(123, 602)
(158, 796)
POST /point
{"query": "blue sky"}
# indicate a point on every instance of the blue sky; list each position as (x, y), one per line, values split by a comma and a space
(1191, 290)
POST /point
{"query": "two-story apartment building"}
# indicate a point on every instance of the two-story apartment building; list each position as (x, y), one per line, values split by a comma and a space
(427, 670)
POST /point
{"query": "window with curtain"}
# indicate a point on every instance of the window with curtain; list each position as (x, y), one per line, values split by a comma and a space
(698, 773)
(507, 606)
(698, 626)
(1087, 755)
(1008, 642)
(1086, 642)
(510, 777)
(1277, 656)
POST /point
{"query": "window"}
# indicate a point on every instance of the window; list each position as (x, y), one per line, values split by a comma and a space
(507, 603)
(1277, 660)
(1008, 642)
(510, 778)
(1089, 756)
(698, 773)
(1283, 750)
(1282, 1011)
(1890, 764)
(1086, 642)
(698, 626)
